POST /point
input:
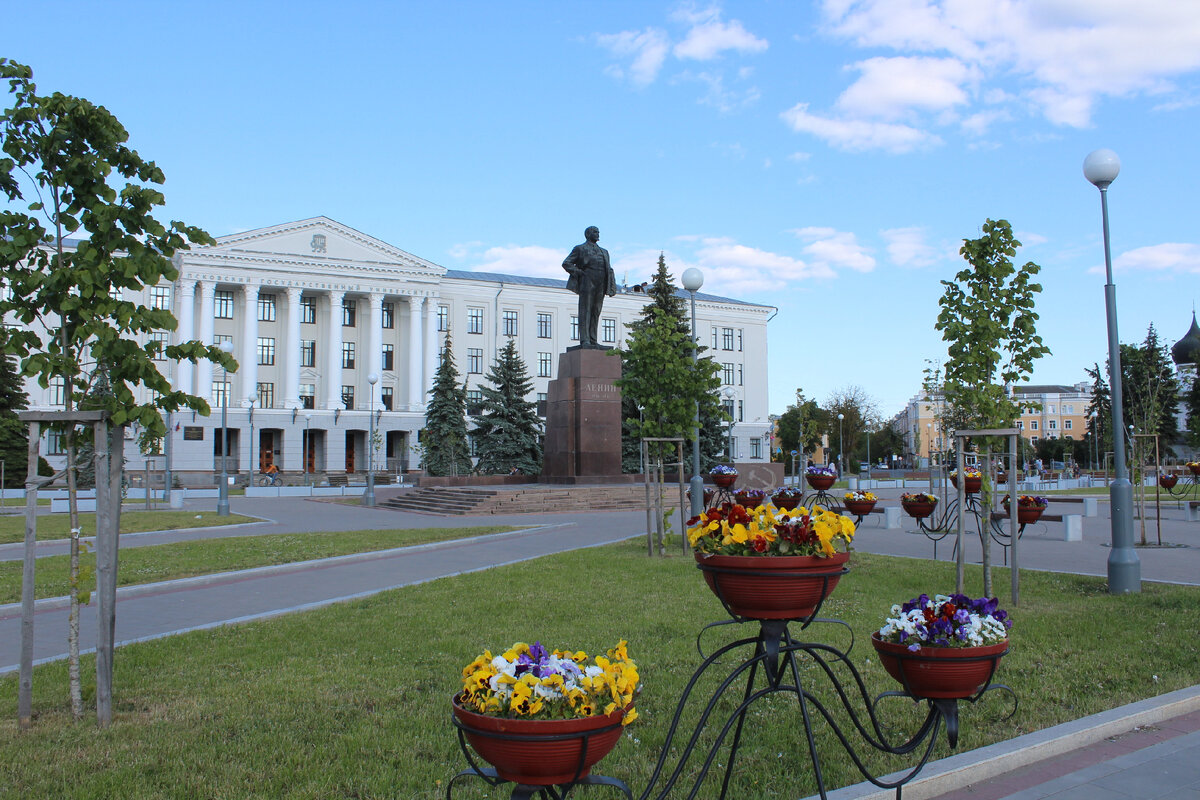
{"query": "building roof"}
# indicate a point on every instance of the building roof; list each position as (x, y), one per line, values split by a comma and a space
(1187, 349)
(1046, 388)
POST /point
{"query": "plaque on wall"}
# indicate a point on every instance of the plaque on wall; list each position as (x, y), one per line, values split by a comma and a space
(193, 433)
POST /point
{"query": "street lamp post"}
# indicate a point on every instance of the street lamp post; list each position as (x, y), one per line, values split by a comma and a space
(250, 468)
(728, 393)
(693, 279)
(1124, 568)
(223, 487)
(841, 447)
(307, 448)
(369, 497)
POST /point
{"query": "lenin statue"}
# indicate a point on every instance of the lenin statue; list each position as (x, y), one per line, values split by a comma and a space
(591, 278)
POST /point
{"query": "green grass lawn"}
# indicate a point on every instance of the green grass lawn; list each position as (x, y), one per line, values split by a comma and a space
(353, 700)
(206, 556)
(58, 526)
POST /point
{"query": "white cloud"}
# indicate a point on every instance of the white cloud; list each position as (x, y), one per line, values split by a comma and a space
(907, 247)
(708, 37)
(857, 134)
(832, 249)
(530, 260)
(645, 51)
(722, 98)
(890, 87)
(1170, 256)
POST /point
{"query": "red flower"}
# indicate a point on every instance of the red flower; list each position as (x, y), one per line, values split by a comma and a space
(761, 544)
(948, 610)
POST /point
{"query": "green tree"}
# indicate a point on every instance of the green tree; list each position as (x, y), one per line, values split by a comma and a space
(657, 373)
(444, 445)
(1192, 404)
(14, 434)
(1149, 389)
(859, 414)
(508, 433)
(987, 317)
(67, 159)
(799, 427)
(1100, 412)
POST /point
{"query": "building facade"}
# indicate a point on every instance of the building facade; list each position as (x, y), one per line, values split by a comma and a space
(314, 309)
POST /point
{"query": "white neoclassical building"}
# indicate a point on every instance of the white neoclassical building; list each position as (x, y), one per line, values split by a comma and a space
(314, 308)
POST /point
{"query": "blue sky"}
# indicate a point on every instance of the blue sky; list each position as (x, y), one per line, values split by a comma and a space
(825, 158)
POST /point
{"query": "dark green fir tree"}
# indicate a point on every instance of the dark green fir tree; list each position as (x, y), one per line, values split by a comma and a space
(14, 435)
(444, 444)
(508, 432)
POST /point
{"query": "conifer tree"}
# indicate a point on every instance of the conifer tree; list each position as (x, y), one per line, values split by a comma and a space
(14, 435)
(507, 434)
(444, 440)
(658, 376)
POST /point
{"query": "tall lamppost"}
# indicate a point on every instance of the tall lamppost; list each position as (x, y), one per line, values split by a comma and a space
(250, 468)
(693, 279)
(841, 450)
(307, 447)
(369, 497)
(728, 392)
(1124, 568)
(223, 487)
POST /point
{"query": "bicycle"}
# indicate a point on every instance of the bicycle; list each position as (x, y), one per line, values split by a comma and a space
(270, 480)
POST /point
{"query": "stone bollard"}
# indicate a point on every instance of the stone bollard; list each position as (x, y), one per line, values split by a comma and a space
(176, 498)
(891, 517)
(1072, 528)
(1193, 511)
(1090, 506)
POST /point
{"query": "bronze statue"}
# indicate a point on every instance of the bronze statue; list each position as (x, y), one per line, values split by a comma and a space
(591, 278)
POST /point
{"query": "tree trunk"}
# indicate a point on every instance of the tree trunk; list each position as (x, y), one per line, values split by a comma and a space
(73, 617)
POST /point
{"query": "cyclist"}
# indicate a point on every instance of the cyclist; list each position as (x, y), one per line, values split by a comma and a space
(271, 475)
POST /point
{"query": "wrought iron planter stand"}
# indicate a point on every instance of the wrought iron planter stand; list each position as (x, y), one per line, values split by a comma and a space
(1188, 488)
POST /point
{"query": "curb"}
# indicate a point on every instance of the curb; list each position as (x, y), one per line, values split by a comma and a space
(956, 772)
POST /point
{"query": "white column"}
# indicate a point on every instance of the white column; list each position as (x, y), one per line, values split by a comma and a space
(248, 366)
(290, 391)
(185, 313)
(430, 346)
(333, 359)
(375, 339)
(204, 369)
(415, 359)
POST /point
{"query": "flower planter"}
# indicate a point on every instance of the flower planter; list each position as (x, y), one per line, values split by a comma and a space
(940, 672)
(785, 502)
(540, 752)
(772, 587)
(972, 486)
(1168, 481)
(748, 501)
(1194, 468)
(1027, 515)
(707, 496)
(820, 482)
(859, 507)
(724, 481)
(918, 510)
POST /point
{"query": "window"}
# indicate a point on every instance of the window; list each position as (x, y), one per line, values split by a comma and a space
(727, 407)
(223, 304)
(160, 297)
(739, 340)
(308, 394)
(220, 394)
(1051, 409)
(1033, 439)
(474, 320)
(388, 316)
(608, 330)
(349, 313)
(727, 374)
(266, 308)
(308, 309)
(756, 448)
(347, 355)
(163, 338)
(389, 356)
(574, 328)
(545, 325)
(308, 352)
(544, 365)
(348, 397)
(475, 360)
(56, 443)
(1067, 424)
(511, 323)
(741, 375)
(543, 400)
(727, 338)
(714, 345)
(221, 337)
(1053, 424)
(1033, 424)
(266, 395)
(733, 447)
(474, 402)
(741, 411)
(266, 350)
(385, 397)
(1020, 425)
(443, 318)
(58, 392)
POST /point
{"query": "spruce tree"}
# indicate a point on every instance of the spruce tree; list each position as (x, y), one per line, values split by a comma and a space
(659, 378)
(14, 434)
(507, 433)
(444, 440)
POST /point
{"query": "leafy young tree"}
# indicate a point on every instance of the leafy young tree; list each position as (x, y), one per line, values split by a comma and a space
(508, 432)
(657, 373)
(987, 317)
(444, 444)
(858, 412)
(1150, 391)
(60, 154)
(799, 427)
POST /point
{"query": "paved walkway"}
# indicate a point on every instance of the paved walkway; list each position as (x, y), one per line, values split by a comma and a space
(1146, 750)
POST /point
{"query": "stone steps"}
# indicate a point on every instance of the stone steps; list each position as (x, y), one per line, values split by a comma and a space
(526, 500)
